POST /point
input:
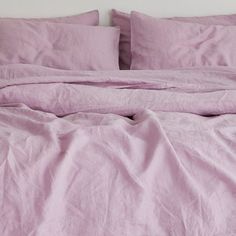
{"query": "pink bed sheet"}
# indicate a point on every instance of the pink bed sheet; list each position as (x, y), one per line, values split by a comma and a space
(71, 163)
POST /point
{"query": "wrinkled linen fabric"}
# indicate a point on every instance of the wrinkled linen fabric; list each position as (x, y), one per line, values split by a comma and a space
(122, 20)
(59, 45)
(169, 44)
(86, 18)
(72, 163)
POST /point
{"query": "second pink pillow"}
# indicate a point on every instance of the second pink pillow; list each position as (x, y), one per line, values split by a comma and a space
(86, 18)
(166, 44)
(122, 20)
(57, 45)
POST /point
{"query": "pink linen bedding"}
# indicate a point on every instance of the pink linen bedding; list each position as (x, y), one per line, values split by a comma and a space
(122, 20)
(72, 164)
(86, 18)
(59, 45)
(166, 44)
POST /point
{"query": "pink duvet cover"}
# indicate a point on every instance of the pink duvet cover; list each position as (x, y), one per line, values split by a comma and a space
(71, 163)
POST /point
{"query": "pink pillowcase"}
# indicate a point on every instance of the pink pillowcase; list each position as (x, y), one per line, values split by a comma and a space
(122, 20)
(57, 45)
(164, 44)
(87, 18)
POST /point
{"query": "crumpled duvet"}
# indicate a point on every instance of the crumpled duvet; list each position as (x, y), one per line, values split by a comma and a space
(144, 153)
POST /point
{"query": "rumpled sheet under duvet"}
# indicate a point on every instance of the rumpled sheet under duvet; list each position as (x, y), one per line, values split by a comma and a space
(144, 153)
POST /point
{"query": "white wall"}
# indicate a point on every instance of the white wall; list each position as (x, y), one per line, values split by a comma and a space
(161, 8)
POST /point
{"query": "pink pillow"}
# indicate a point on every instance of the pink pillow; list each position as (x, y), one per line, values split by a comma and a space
(164, 44)
(57, 45)
(87, 18)
(209, 20)
(122, 20)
